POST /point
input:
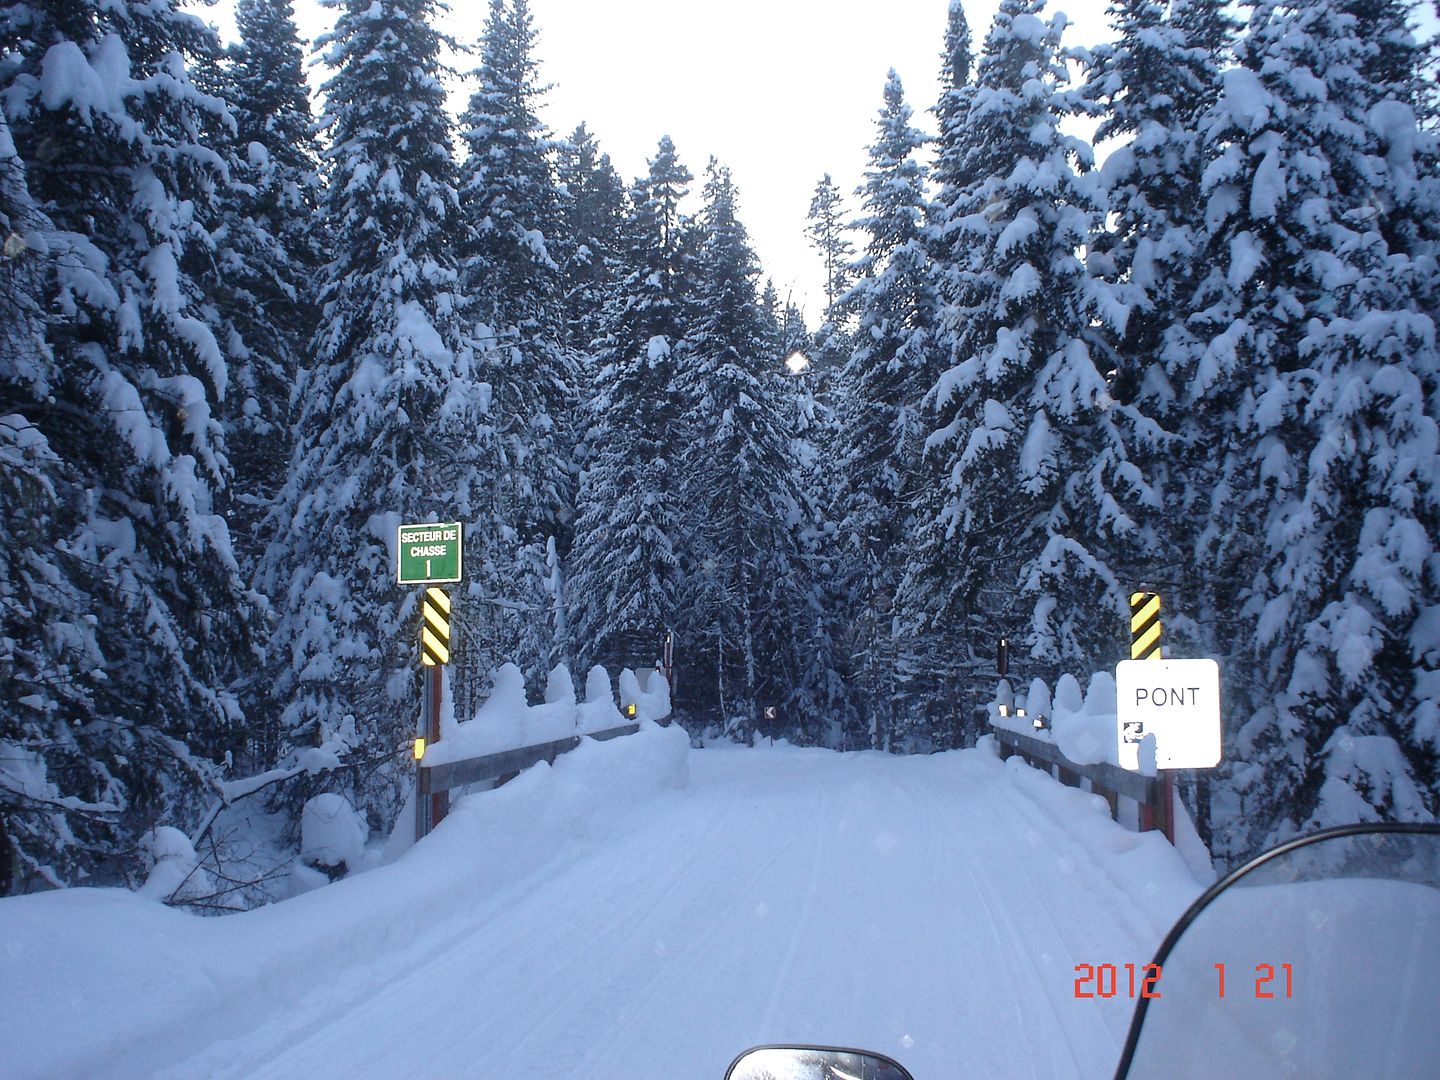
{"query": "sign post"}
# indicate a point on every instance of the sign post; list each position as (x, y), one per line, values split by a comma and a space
(434, 654)
(1145, 629)
(430, 554)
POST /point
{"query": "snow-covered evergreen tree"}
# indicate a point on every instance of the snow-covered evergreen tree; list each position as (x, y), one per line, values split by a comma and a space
(952, 141)
(262, 301)
(1398, 70)
(1319, 373)
(886, 378)
(824, 705)
(270, 250)
(47, 834)
(118, 560)
(625, 585)
(593, 209)
(392, 414)
(1155, 82)
(512, 209)
(827, 232)
(513, 286)
(1390, 61)
(272, 109)
(1036, 475)
(747, 590)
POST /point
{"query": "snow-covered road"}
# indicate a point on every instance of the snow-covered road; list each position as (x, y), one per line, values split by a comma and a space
(931, 908)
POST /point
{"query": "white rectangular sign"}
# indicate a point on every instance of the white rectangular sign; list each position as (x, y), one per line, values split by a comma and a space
(1177, 701)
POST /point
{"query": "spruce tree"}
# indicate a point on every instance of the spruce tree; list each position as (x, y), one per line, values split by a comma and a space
(271, 105)
(1319, 372)
(626, 584)
(112, 419)
(827, 234)
(268, 254)
(1034, 474)
(939, 645)
(886, 378)
(1154, 83)
(512, 282)
(392, 417)
(748, 590)
(270, 225)
(593, 209)
(48, 833)
(951, 146)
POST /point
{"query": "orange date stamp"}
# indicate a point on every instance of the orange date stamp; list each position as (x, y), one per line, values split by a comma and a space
(1143, 981)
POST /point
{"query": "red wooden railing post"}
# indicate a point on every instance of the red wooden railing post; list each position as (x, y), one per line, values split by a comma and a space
(439, 800)
(1167, 805)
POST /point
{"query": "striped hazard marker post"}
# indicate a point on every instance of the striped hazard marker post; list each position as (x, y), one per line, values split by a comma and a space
(1145, 626)
(430, 554)
(1145, 645)
(430, 808)
(435, 629)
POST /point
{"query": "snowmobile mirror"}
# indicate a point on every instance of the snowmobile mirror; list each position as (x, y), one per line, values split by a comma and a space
(814, 1063)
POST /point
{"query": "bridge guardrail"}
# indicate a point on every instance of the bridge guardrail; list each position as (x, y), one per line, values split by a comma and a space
(1154, 795)
(441, 769)
(452, 774)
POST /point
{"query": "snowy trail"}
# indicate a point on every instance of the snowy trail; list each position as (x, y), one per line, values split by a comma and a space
(931, 908)
(608, 917)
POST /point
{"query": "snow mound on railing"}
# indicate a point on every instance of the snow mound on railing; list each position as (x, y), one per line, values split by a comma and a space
(653, 702)
(1082, 725)
(508, 721)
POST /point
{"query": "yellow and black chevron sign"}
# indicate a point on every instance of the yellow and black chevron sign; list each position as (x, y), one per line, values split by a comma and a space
(1145, 626)
(435, 628)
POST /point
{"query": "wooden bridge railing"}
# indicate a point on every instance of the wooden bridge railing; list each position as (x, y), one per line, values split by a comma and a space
(1153, 794)
(452, 774)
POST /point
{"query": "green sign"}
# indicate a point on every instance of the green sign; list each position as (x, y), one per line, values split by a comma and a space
(429, 554)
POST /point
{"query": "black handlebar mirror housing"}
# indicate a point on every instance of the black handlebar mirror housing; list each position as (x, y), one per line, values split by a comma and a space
(814, 1063)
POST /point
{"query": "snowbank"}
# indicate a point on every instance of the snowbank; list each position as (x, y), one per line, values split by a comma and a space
(104, 983)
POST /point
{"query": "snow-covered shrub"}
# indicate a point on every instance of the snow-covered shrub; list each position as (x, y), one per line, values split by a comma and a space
(332, 835)
(176, 875)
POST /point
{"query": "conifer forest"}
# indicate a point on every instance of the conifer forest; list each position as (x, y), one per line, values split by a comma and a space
(246, 331)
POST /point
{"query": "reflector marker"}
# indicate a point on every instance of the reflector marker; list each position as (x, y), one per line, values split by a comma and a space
(435, 628)
(1145, 626)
